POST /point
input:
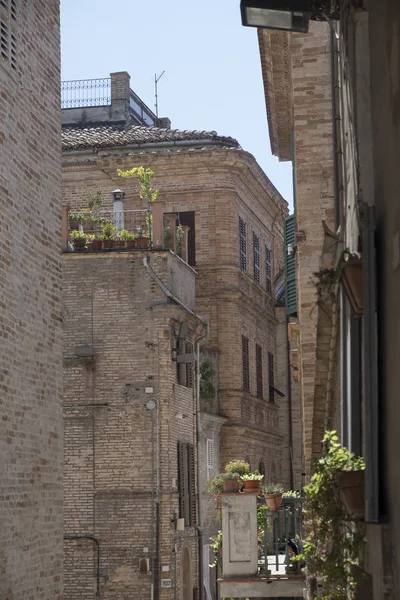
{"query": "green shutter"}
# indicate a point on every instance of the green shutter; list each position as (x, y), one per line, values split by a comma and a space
(290, 267)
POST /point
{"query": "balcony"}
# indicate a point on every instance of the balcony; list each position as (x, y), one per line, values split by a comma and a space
(257, 547)
(110, 230)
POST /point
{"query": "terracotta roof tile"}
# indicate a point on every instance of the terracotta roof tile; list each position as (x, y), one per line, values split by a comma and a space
(75, 138)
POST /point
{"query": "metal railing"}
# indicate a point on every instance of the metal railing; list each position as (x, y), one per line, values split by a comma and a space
(82, 93)
(134, 221)
(280, 535)
(142, 111)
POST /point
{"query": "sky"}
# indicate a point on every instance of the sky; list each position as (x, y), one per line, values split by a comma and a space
(212, 67)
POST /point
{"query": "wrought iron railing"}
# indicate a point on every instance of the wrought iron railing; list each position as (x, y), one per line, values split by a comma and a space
(134, 221)
(280, 537)
(86, 92)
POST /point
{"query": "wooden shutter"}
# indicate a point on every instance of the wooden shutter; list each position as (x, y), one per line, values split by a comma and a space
(246, 364)
(188, 218)
(181, 479)
(271, 377)
(192, 516)
(290, 267)
(268, 270)
(256, 257)
(210, 458)
(259, 372)
(243, 246)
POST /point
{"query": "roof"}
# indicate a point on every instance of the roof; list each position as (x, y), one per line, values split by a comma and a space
(78, 138)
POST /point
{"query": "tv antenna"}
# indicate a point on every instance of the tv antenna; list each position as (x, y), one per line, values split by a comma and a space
(156, 80)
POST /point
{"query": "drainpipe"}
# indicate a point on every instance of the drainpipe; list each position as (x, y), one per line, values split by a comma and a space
(198, 428)
(96, 541)
(290, 406)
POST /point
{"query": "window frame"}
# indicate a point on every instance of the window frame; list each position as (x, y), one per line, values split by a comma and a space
(246, 364)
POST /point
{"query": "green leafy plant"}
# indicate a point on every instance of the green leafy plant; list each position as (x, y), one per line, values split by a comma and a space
(144, 176)
(231, 475)
(273, 488)
(333, 548)
(95, 199)
(76, 234)
(252, 476)
(109, 231)
(216, 545)
(179, 240)
(291, 494)
(126, 236)
(76, 217)
(215, 485)
(167, 237)
(239, 467)
(207, 388)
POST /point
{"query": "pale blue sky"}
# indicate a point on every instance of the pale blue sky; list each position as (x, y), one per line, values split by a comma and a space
(212, 67)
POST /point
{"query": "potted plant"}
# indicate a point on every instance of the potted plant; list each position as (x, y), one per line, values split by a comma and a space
(179, 240)
(292, 497)
(142, 239)
(231, 481)
(128, 238)
(79, 239)
(96, 244)
(215, 487)
(334, 546)
(239, 467)
(273, 495)
(216, 545)
(252, 482)
(109, 233)
(351, 481)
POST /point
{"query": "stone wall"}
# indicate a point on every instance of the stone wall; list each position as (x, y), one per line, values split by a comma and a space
(30, 322)
(112, 457)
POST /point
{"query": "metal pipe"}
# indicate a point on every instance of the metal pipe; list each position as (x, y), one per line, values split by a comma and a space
(290, 406)
(152, 508)
(96, 541)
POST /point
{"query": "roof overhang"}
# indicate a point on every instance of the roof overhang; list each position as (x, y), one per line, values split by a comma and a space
(276, 72)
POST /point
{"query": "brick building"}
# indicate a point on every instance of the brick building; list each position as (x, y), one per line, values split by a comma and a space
(30, 298)
(297, 81)
(234, 219)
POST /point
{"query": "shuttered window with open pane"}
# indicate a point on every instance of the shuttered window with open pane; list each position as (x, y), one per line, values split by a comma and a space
(259, 372)
(271, 377)
(256, 256)
(243, 246)
(187, 483)
(268, 270)
(246, 364)
(8, 33)
(210, 458)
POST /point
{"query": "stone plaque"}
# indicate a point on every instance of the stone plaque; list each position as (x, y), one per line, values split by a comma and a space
(239, 537)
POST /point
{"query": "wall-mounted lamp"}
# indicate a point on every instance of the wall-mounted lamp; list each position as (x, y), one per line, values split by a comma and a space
(118, 208)
(289, 15)
(118, 195)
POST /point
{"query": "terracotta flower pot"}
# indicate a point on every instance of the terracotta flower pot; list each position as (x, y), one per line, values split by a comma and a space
(352, 492)
(274, 501)
(79, 244)
(131, 244)
(251, 486)
(231, 485)
(96, 245)
(142, 242)
(107, 244)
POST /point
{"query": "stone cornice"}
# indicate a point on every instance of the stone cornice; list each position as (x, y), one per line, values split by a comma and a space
(276, 73)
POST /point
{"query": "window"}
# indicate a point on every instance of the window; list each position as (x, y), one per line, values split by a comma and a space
(271, 377)
(8, 35)
(259, 372)
(185, 369)
(256, 256)
(268, 270)
(210, 458)
(246, 364)
(187, 483)
(243, 248)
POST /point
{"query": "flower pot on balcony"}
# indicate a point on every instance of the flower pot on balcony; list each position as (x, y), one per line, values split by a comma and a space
(251, 486)
(352, 492)
(131, 244)
(79, 244)
(274, 501)
(142, 242)
(231, 485)
(96, 245)
(108, 244)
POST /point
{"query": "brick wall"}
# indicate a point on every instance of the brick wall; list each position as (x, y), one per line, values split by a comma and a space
(113, 304)
(30, 321)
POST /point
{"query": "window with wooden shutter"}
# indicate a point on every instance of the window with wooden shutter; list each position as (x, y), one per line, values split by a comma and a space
(243, 247)
(246, 364)
(259, 372)
(187, 483)
(256, 257)
(290, 267)
(210, 458)
(271, 377)
(185, 371)
(268, 270)
(8, 33)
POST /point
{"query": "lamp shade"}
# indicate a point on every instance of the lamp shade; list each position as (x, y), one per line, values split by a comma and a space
(118, 194)
(287, 15)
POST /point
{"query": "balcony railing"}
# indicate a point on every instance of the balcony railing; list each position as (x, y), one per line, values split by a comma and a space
(82, 93)
(257, 548)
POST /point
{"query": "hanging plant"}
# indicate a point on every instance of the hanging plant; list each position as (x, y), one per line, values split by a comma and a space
(333, 548)
(207, 388)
